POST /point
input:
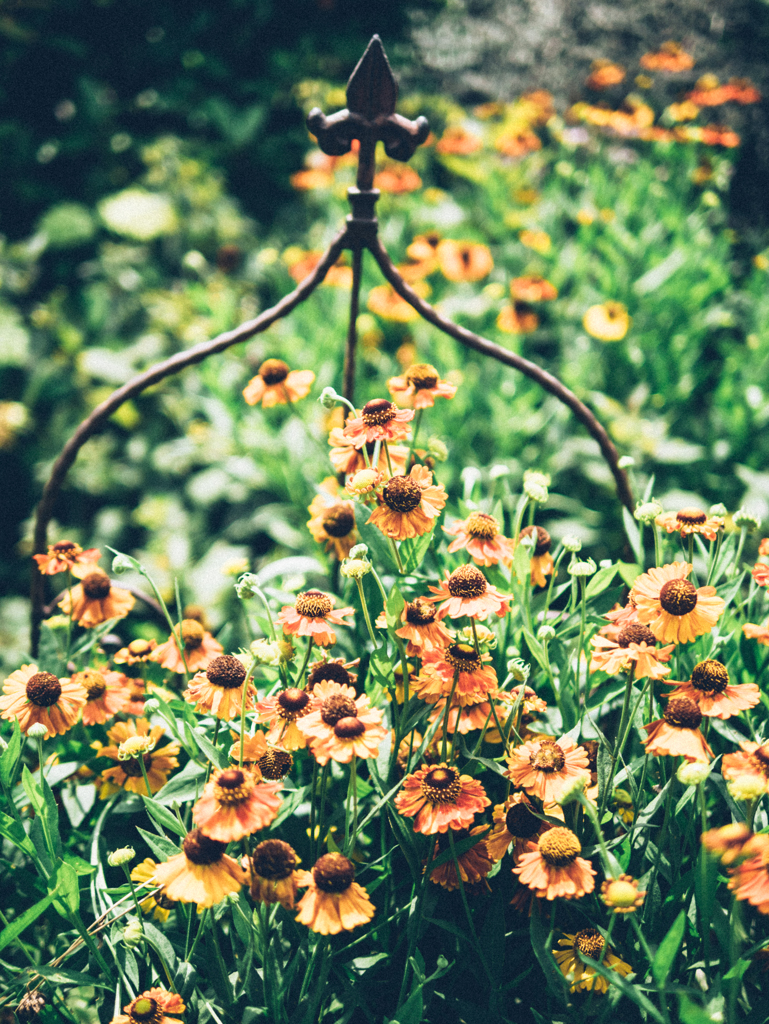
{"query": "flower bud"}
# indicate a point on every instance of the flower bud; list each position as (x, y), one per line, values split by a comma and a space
(487, 638)
(572, 543)
(437, 449)
(124, 563)
(328, 398)
(499, 470)
(719, 510)
(519, 670)
(365, 480)
(693, 773)
(545, 633)
(118, 858)
(57, 622)
(38, 731)
(265, 652)
(572, 791)
(746, 787)
(246, 586)
(134, 747)
(132, 934)
(647, 512)
(286, 648)
(535, 485)
(151, 706)
(359, 551)
(355, 568)
(585, 568)
(746, 520)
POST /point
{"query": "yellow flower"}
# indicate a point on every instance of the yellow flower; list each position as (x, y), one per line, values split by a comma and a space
(608, 321)
(590, 943)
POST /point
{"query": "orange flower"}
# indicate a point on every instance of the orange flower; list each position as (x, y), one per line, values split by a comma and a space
(422, 252)
(710, 689)
(106, 692)
(670, 57)
(335, 670)
(532, 289)
(554, 868)
(463, 261)
(130, 741)
(608, 321)
(541, 560)
(219, 690)
(151, 1007)
(200, 649)
(475, 679)
(202, 873)
(519, 318)
(753, 760)
(763, 547)
(689, 521)
(727, 842)
(672, 608)
(32, 696)
(338, 276)
(467, 592)
(95, 600)
(312, 178)
(479, 535)
(545, 769)
(380, 420)
(677, 733)
(135, 653)
(409, 505)
(463, 718)
(604, 74)
(233, 806)
(275, 384)
(346, 458)
(439, 798)
(332, 522)
(709, 93)
(635, 645)
(419, 387)
(310, 616)
(474, 864)
(421, 628)
(274, 878)
(760, 574)
(517, 142)
(281, 712)
(755, 632)
(397, 178)
(583, 977)
(333, 704)
(458, 141)
(63, 555)
(750, 879)
(514, 822)
(158, 905)
(334, 902)
(385, 302)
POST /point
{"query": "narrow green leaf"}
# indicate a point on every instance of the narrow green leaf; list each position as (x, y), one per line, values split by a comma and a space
(127, 961)
(160, 943)
(394, 608)
(68, 887)
(10, 756)
(216, 755)
(162, 848)
(14, 831)
(633, 993)
(163, 817)
(601, 581)
(59, 976)
(187, 785)
(738, 970)
(32, 789)
(413, 551)
(633, 535)
(16, 927)
(374, 538)
(668, 950)
(540, 942)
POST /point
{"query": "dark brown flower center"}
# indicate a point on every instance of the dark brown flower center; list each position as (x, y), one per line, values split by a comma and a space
(683, 713)
(549, 758)
(760, 760)
(520, 822)
(349, 728)
(273, 371)
(710, 676)
(338, 520)
(678, 597)
(559, 847)
(467, 581)
(691, 516)
(232, 786)
(313, 604)
(336, 707)
(420, 612)
(422, 375)
(377, 412)
(96, 586)
(92, 681)
(442, 785)
(226, 671)
(333, 873)
(275, 764)
(65, 547)
(462, 657)
(482, 525)
(164, 901)
(402, 494)
(133, 766)
(635, 633)
(541, 539)
(589, 942)
(192, 634)
(200, 849)
(333, 671)
(273, 859)
(43, 689)
(145, 1010)
(292, 702)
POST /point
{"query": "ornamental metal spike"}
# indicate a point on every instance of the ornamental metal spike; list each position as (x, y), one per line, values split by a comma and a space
(372, 90)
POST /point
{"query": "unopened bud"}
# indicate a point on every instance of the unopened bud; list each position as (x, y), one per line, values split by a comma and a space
(265, 652)
(693, 773)
(359, 551)
(647, 512)
(151, 706)
(545, 633)
(572, 791)
(246, 586)
(535, 485)
(583, 568)
(38, 731)
(572, 543)
(132, 934)
(719, 510)
(746, 520)
(437, 449)
(328, 398)
(124, 563)
(519, 670)
(118, 858)
(746, 787)
(355, 568)
(626, 462)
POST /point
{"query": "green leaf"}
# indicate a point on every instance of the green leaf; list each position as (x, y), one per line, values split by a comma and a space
(633, 535)
(394, 608)
(378, 544)
(14, 831)
(163, 817)
(32, 789)
(59, 976)
(412, 1010)
(158, 940)
(668, 950)
(601, 581)
(413, 551)
(187, 785)
(460, 846)
(127, 961)
(16, 927)
(162, 848)
(738, 970)
(291, 801)
(536, 648)
(216, 755)
(522, 564)
(540, 941)
(10, 756)
(68, 887)
(633, 993)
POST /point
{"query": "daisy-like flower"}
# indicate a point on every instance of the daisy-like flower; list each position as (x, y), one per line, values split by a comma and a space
(518, 318)
(716, 697)
(233, 805)
(475, 678)
(409, 505)
(347, 458)
(463, 718)
(422, 252)
(463, 261)
(151, 1007)
(421, 628)
(106, 694)
(32, 696)
(332, 521)
(517, 143)
(673, 609)
(158, 904)
(380, 420)
(505, 700)
(274, 878)
(219, 690)
(689, 521)
(135, 653)
(355, 735)
(755, 632)
(457, 140)
(334, 901)
(536, 239)
(532, 289)
(419, 387)
(635, 645)
(95, 600)
(727, 842)
(397, 178)
(588, 942)
(311, 615)
(276, 384)
(553, 867)
(622, 895)
(202, 873)
(608, 321)
(474, 864)
(752, 760)
(63, 556)
(467, 592)
(388, 304)
(670, 57)
(677, 733)
(335, 670)
(439, 798)
(133, 740)
(281, 712)
(604, 74)
(200, 649)
(514, 822)
(620, 617)
(541, 559)
(480, 536)
(750, 878)
(760, 573)
(546, 768)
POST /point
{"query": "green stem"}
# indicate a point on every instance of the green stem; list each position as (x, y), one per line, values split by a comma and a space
(619, 743)
(417, 423)
(446, 715)
(246, 683)
(387, 456)
(352, 791)
(657, 545)
(300, 675)
(398, 562)
(199, 931)
(323, 785)
(366, 615)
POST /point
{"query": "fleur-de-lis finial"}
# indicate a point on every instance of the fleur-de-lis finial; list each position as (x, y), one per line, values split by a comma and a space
(369, 117)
